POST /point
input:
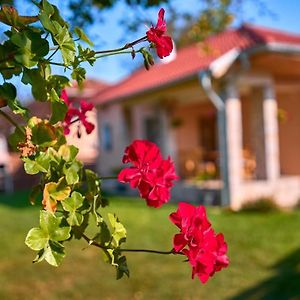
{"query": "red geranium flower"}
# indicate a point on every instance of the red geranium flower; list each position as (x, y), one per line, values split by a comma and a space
(75, 112)
(150, 174)
(192, 222)
(156, 35)
(205, 250)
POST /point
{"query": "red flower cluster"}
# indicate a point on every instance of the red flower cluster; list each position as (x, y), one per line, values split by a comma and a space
(75, 112)
(151, 174)
(156, 35)
(205, 250)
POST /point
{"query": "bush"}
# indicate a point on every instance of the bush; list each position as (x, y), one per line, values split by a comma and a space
(263, 204)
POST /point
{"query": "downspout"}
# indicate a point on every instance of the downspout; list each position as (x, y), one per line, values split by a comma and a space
(205, 81)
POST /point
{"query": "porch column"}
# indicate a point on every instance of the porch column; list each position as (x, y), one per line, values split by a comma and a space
(234, 142)
(168, 139)
(271, 133)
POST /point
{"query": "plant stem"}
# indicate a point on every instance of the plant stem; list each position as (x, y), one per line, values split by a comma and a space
(59, 64)
(114, 53)
(54, 52)
(92, 242)
(126, 46)
(149, 251)
(108, 177)
(9, 119)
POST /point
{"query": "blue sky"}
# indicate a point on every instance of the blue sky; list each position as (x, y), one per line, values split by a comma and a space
(286, 16)
(107, 35)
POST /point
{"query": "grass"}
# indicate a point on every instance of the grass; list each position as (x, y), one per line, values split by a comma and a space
(264, 250)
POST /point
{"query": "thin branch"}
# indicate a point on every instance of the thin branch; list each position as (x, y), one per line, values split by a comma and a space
(126, 46)
(54, 52)
(114, 53)
(92, 242)
(59, 64)
(9, 119)
(150, 251)
(108, 177)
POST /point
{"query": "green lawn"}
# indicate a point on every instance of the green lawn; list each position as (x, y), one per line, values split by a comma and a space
(264, 250)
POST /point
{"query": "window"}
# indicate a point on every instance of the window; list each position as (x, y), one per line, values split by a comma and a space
(107, 137)
(152, 129)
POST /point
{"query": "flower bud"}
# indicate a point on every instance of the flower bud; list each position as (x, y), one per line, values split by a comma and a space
(146, 64)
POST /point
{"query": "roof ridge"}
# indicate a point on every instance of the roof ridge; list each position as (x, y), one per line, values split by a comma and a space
(256, 28)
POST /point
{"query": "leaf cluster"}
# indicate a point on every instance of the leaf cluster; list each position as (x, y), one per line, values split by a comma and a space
(68, 193)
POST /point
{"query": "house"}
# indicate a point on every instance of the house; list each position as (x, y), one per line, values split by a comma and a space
(226, 110)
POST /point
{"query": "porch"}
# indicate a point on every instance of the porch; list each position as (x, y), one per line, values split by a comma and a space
(246, 148)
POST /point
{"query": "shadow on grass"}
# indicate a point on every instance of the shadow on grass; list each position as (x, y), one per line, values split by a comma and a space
(18, 199)
(284, 285)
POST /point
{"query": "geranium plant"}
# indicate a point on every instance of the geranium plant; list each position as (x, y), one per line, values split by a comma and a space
(70, 194)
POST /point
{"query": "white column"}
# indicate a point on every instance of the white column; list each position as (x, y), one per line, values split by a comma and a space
(168, 138)
(271, 133)
(234, 143)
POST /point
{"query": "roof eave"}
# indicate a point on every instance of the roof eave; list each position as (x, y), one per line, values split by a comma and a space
(219, 67)
(151, 90)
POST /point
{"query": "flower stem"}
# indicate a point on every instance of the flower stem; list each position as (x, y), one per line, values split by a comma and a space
(54, 52)
(92, 242)
(59, 64)
(9, 119)
(126, 46)
(108, 177)
(113, 53)
(149, 251)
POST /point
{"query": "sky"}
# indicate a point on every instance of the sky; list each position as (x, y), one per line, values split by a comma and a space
(285, 16)
(108, 34)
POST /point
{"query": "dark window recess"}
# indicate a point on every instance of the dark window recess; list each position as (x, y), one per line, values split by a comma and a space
(152, 129)
(208, 134)
(107, 137)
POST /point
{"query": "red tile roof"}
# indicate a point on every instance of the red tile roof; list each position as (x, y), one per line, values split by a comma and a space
(192, 59)
(90, 88)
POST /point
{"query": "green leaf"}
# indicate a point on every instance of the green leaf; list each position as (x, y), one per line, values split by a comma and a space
(38, 83)
(66, 44)
(31, 166)
(54, 253)
(40, 163)
(72, 172)
(68, 152)
(34, 193)
(77, 234)
(43, 133)
(93, 187)
(118, 230)
(54, 226)
(75, 219)
(122, 267)
(46, 239)
(9, 67)
(36, 239)
(9, 93)
(32, 47)
(58, 107)
(81, 34)
(71, 205)
(87, 55)
(47, 7)
(78, 74)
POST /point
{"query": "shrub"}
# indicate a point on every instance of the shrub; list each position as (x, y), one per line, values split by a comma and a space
(263, 204)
